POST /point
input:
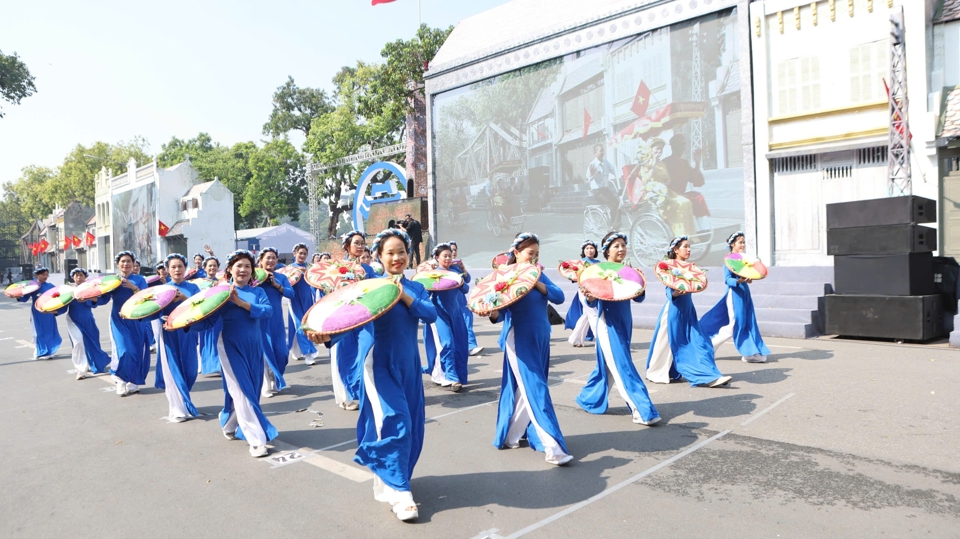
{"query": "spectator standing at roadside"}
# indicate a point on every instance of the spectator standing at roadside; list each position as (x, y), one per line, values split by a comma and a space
(415, 231)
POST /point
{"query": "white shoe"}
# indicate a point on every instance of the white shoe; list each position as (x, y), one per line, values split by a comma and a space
(722, 381)
(559, 461)
(122, 388)
(405, 511)
(351, 406)
(258, 451)
(311, 360)
(754, 359)
(230, 435)
(177, 419)
(153, 348)
(132, 388)
(650, 423)
(476, 350)
(81, 375)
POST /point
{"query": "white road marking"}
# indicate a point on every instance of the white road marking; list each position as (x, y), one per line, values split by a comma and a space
(289, 454)
(765, 410)
(618, 486)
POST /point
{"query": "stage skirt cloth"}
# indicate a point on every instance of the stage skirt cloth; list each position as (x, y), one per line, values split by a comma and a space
(88, 356)
(679, 347)
(275, 349)
(177, 359)
(734, 317)
(303, 298)
(615, 368)
(243, 365)
(391, 422)
(130, 351)
(525, 408)
(46, 335)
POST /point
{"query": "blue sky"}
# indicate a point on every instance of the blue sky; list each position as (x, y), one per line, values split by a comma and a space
(111, 70)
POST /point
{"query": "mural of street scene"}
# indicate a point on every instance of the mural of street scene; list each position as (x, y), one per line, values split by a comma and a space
(135, 223)
(641, 135)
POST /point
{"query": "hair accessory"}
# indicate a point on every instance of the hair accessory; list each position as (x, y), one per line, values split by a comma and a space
(121, 254)
(161, 265)
(298, 247)
(733, 237)
(522, 237)
(177, 256)
(238, 253)
(41, 269)
(588, 242)
(440, 248)
(611, 238)
(677, 241)
(352, 233)
(391, 233)
(265, 250)
(75, 271)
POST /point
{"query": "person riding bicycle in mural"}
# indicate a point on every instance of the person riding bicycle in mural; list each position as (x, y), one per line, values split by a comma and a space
(650, 180)
(603, 184)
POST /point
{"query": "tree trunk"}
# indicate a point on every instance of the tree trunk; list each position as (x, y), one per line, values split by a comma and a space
(335, 212)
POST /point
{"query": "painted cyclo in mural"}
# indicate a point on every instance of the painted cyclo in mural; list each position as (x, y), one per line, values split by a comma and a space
(655, 197)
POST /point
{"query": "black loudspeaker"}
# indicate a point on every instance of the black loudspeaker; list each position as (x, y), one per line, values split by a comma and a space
(905, 274)
(915, 318)
(881, 240)
(881, 211)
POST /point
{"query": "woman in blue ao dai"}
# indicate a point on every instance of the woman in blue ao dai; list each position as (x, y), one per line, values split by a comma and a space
(615, 368)
(303, 298)
(391, 424)
(275, 349)
(733, 317)
(526, 409)
(242, 361)
(581, 318)
(200, 262)
(209, 348)
(130, 348)
(346, 358)
(458, 266)
(679, 347)
(177, 348)
(88, 356)
(46, 335)
(445, 340)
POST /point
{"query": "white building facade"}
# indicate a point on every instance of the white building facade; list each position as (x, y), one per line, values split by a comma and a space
(131, 207)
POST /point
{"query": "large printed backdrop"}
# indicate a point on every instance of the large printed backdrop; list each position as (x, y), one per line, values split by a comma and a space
(654, 116)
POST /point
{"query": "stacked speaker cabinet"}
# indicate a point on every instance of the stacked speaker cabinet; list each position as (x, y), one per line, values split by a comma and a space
(883, 269)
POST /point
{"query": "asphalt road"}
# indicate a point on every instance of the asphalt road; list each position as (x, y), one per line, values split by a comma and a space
(829, 439)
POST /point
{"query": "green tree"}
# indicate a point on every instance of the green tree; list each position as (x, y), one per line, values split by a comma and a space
(344, 131)
(74, 180)
(276, 183)
(16, 82)
(405, 63)
(294, 109)
(31, 193)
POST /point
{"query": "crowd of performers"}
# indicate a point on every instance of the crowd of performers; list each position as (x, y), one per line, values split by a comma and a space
(250, 344)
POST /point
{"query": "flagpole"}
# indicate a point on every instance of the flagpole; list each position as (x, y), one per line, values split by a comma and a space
(419, 17)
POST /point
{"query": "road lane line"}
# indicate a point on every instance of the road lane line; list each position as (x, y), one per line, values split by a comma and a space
(618, 486)
(765, 410)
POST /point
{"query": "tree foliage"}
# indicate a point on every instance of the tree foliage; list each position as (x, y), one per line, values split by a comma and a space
(16, 82)
(276, 183)
(294, 109)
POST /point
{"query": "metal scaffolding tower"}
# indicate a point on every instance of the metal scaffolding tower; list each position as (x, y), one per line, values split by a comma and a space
(314, 169)
(898, 149)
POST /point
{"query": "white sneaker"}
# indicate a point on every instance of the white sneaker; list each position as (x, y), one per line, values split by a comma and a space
(177, 419)
(559, 461)
(153, 348)
(406, 511)
(258, 451)
(722, 381)
(640, 421)
(81, 375)
(122, 388)
(132, 388)
(754, 359)
(476, 350)
(229, 435)
(351, 406)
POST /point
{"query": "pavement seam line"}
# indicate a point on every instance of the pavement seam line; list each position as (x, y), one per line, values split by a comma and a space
(618, 486)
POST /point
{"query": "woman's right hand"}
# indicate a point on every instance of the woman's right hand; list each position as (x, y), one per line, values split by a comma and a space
(316, 337)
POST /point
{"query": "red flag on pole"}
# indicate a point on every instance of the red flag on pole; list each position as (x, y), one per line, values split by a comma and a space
(90, 239)
(586, 123)
(43, 244)
(641, 101)
(375, 2)
(163, 229)
(77, 242)
(34, 248)
(67, 243)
